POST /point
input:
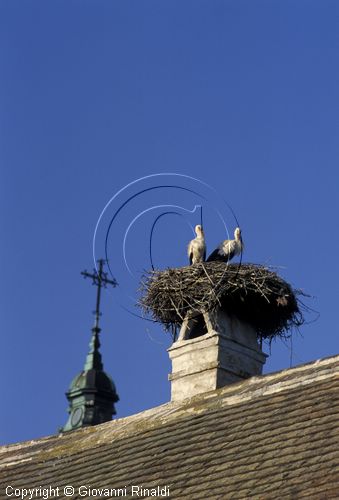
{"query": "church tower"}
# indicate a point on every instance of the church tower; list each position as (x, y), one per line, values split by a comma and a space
(92, 393)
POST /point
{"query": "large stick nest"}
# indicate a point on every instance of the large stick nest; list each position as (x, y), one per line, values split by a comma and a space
(253, 293)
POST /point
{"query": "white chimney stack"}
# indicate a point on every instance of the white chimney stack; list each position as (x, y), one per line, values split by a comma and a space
(213, 351)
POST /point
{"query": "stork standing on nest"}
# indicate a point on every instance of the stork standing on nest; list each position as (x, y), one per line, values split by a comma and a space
(228, 248)
(196, 249)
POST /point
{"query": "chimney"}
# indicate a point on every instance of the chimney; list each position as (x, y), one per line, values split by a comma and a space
(213, 350)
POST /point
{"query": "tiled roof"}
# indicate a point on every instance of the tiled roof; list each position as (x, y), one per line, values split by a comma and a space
(269, 437)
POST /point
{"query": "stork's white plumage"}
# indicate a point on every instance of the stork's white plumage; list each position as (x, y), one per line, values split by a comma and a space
(228, 248)
(196, 249)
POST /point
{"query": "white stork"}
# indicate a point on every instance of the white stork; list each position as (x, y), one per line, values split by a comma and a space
(228, 248)
(196, 249)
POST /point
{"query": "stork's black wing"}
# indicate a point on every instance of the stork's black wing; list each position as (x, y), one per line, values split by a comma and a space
(190, 258)
(224, 257)
(215, 255)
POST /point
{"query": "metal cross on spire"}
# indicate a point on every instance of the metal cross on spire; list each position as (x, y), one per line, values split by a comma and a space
(100, 279)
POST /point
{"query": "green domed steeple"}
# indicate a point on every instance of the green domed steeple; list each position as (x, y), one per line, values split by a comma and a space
(92, 393)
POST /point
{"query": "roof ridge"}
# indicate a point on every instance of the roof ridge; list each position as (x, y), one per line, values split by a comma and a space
(238, 393)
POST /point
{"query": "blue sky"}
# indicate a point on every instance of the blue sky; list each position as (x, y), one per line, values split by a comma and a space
(94, 94)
